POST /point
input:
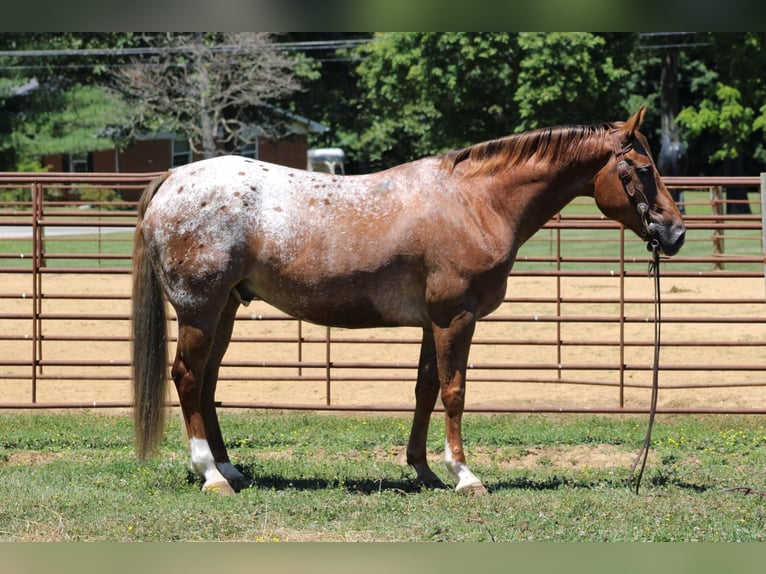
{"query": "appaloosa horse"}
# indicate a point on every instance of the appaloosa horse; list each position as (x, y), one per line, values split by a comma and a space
(428, 243)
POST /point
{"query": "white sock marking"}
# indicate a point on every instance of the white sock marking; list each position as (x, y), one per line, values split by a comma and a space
(459, 470)
(202, 461)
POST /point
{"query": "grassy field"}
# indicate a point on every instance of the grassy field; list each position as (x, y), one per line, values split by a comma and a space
(74, 477)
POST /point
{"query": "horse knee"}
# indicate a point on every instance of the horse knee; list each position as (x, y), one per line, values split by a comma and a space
(177, 372)
(453, 399)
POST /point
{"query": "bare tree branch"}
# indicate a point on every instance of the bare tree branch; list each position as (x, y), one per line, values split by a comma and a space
(210, 87)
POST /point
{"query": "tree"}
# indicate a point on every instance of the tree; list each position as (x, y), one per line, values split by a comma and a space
(427, 92)
(80, 120)
(212, 87)
(57, 102)
(725, 113)
(567, 77)
(333, 95)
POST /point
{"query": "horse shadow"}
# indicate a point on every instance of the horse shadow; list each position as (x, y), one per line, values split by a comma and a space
(407, 485)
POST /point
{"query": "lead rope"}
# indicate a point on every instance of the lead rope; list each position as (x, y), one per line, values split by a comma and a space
(643, 453)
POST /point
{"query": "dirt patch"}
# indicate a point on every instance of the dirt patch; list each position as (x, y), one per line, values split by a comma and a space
(572, 457)
(34, 457)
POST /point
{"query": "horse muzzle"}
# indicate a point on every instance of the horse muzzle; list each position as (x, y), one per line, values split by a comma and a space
(670, 237)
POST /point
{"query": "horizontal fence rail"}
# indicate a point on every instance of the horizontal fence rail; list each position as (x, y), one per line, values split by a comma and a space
(574, 333)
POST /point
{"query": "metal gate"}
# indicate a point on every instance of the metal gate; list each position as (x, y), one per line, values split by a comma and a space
(573, 335)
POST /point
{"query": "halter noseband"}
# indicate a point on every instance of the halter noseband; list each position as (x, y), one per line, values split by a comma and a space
(635, 192)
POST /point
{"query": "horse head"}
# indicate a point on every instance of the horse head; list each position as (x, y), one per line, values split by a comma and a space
(629, 189)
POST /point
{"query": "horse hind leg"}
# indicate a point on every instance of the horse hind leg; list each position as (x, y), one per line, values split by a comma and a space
(188, 371)
(426, 393)
(215, 438)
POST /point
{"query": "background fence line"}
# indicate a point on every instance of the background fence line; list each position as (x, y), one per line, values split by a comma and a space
(577, 314)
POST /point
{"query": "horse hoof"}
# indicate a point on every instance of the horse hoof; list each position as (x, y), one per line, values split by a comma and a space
(239, 483)
(473, 489)
(242, 484)
(236, 479)
(222, 488)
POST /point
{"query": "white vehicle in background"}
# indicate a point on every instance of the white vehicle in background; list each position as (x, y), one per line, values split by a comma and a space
(327, 159)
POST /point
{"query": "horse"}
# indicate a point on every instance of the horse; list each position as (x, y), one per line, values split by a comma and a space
(429, 243)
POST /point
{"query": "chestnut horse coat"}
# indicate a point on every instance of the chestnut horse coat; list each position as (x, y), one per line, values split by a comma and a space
(429, 244)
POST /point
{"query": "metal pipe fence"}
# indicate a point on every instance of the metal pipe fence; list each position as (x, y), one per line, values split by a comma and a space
(574, 333)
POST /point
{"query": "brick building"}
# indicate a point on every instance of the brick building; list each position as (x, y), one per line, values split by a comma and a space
(158, 152)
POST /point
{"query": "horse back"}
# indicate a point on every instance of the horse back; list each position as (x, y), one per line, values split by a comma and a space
(341, 250)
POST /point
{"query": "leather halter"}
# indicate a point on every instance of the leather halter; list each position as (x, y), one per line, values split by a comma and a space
(634, 190)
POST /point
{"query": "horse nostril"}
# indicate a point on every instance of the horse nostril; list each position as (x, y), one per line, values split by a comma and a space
(674, 241)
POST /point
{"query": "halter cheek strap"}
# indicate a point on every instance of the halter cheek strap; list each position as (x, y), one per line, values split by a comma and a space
(626, 174)
(635, 192)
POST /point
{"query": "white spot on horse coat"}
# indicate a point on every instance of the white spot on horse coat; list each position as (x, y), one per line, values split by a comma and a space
(208, 211)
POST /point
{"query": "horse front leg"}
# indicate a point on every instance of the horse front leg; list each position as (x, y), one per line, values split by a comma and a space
(426, 392)
(194, 346)
(452, 346)
(223, 332)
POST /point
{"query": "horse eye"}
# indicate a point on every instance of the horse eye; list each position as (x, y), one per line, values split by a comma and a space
(644, 168)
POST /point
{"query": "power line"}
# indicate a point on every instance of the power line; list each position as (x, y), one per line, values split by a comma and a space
(670, 40)
(167, 50)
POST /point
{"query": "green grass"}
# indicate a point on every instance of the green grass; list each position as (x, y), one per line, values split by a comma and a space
(73, 477)
(74, 251)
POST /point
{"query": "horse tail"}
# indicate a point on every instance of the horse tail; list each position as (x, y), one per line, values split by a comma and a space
(148, 338)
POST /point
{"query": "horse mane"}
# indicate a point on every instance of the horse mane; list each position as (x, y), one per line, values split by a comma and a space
(551, 144)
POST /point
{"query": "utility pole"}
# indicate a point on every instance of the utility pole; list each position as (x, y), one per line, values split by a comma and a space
(672, 159)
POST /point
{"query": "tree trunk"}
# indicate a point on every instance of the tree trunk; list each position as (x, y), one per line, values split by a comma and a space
(669, 94)
(672, 159)
(206, 123)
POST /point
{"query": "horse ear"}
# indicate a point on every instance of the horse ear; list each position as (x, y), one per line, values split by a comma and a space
(634, 122)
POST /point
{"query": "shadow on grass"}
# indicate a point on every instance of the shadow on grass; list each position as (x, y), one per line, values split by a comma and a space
(407, 485)
(359, 486)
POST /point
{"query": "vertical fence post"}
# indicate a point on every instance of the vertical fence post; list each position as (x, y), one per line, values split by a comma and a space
(328, 365)
(763, 221)
(559, 358)
(716, 202)
(622, 316)
(300, 349)
(37, 263)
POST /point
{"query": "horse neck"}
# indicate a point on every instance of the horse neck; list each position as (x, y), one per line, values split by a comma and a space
(533, 193)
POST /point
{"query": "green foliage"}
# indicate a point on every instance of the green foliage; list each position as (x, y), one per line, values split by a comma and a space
(721, 113)
(418, 88)
(428, 92)
(107, 198)
(22, 194)
(79, 120)
(407, 95)
(724, 113)
(566, 78)
(70, 110)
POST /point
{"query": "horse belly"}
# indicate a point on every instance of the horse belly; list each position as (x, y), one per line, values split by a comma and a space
(350, 302)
